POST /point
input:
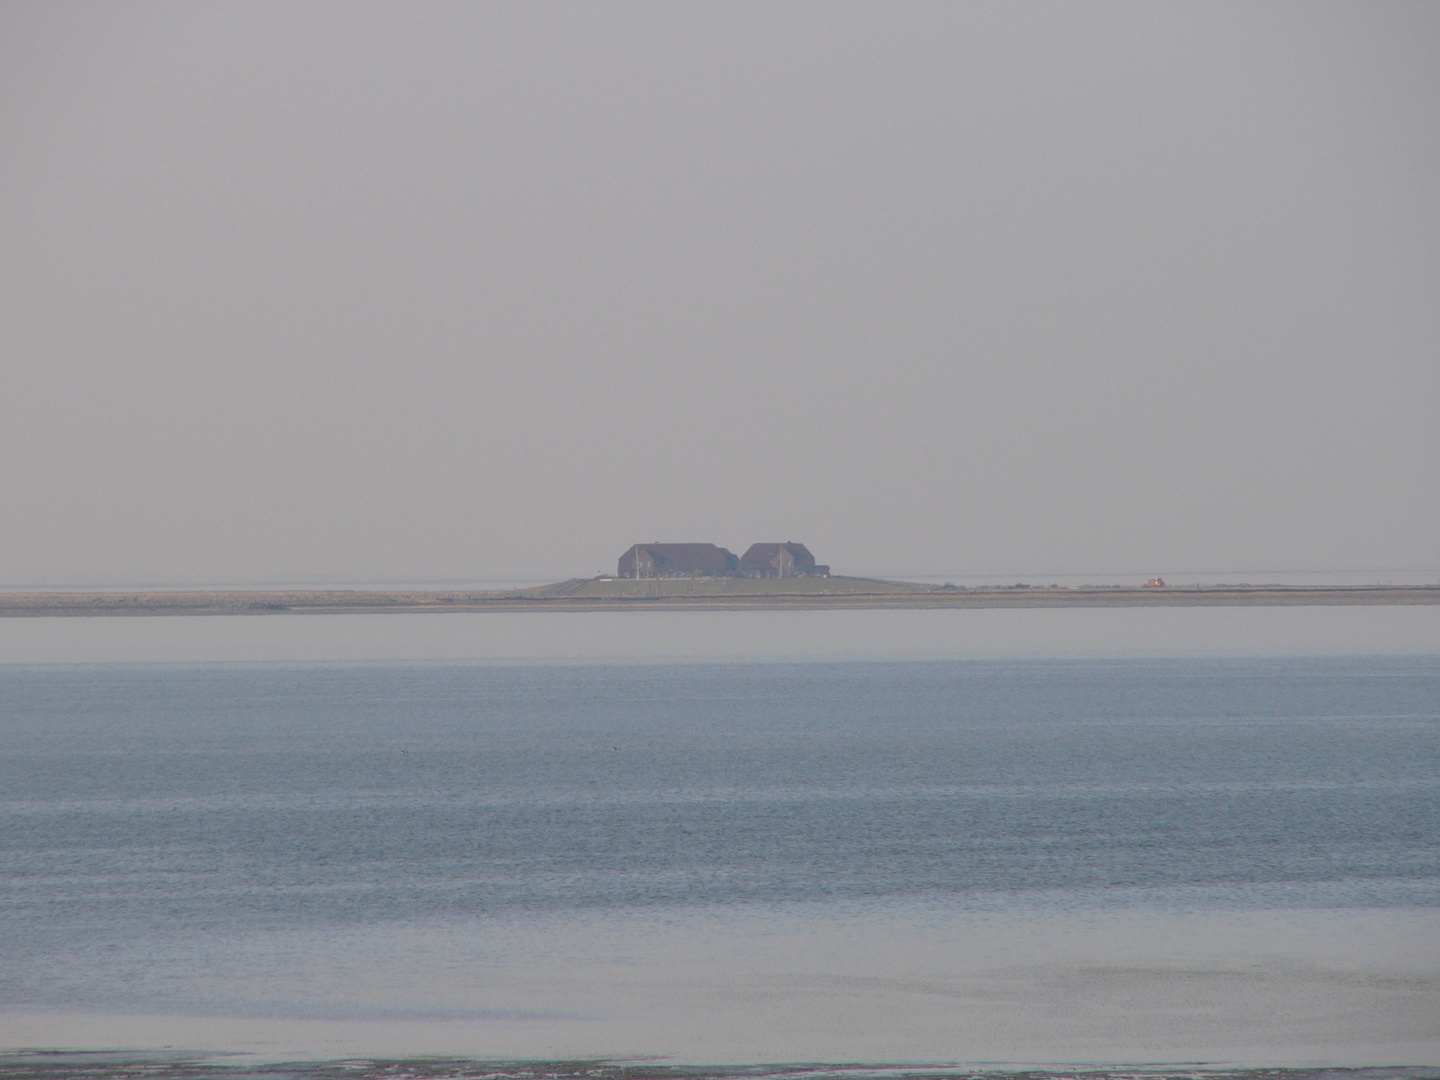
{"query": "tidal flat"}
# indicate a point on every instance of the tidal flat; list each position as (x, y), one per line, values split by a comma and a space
(698, 594)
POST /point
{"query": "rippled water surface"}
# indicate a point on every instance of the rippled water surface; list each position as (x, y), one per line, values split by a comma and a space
(548, 858)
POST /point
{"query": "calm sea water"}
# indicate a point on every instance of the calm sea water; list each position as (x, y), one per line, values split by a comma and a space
(379, 844)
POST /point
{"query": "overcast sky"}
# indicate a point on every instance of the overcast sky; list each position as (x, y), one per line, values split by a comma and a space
(423, 292)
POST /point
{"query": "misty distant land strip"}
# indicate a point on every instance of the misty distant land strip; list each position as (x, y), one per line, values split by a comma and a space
(702, 594)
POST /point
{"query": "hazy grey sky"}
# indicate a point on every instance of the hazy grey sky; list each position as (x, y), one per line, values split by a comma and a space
(453, 291)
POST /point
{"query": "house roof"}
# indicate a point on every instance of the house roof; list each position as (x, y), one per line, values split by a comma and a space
(688, 557)
(765, 554)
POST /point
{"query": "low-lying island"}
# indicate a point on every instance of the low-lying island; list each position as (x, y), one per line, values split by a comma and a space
(711, 594)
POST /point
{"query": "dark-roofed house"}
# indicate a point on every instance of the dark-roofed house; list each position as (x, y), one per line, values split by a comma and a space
(677, 560)
(780, 560)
